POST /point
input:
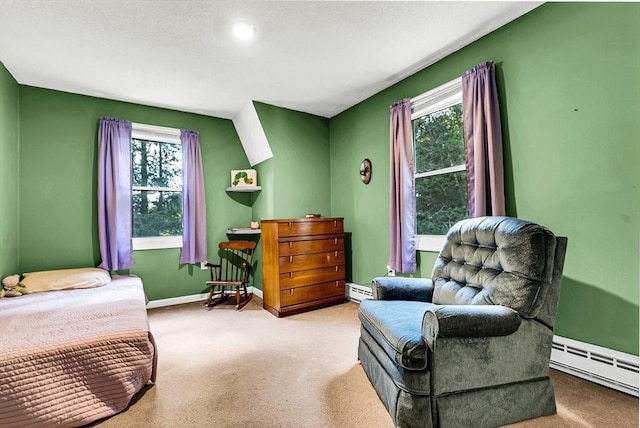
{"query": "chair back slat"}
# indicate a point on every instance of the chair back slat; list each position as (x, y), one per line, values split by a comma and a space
(236, 259)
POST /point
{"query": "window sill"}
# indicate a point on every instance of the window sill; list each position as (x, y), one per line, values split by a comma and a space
(429, 242)
(157, 242)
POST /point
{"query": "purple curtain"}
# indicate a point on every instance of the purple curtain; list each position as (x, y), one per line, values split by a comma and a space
(402, 213)
(114, 194)
(194, 214)
(483, 141)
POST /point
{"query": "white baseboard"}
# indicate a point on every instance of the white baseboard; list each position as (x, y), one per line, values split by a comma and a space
(176, 300)
(190, 299)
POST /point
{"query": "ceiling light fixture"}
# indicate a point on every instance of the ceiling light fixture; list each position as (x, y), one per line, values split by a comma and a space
(243, 30)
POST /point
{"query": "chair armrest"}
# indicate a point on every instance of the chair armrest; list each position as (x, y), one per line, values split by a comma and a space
(213, 266)
(468, 321)
(400, 288)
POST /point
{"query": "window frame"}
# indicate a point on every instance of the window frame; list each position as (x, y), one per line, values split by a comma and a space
(160, 134)
(441, 97)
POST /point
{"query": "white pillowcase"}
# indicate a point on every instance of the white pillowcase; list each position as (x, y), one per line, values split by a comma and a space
(65, 278)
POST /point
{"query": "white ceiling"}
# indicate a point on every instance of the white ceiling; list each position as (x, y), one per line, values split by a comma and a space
(319, 57)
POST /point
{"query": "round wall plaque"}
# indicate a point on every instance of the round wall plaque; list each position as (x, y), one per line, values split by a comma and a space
(365, 171)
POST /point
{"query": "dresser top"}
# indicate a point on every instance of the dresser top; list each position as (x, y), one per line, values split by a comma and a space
(300, 220)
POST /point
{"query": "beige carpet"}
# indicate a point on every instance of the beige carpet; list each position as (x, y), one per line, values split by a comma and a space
(223, 368)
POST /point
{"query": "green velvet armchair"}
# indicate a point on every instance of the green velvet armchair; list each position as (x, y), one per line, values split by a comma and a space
(469, 347)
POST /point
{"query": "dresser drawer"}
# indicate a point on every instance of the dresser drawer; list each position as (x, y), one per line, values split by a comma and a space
(294, 296)
(313, 276)
(310, 246)
(310, 261)
(315, 227)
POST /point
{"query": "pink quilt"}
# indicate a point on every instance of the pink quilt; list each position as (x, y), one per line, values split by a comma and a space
(70, 357)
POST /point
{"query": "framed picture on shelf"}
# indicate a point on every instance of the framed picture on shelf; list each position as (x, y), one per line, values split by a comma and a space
(244, 178)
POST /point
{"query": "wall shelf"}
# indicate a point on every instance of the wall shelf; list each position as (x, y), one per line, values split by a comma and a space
(244, 189)
(243, 231)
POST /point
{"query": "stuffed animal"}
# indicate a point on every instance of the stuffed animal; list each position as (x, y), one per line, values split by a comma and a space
(11, 286)
(11, 281)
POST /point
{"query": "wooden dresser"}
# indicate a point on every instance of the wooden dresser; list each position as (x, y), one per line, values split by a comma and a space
(303, 264)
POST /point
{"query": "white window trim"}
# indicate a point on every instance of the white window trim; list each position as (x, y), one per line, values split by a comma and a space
(429, 242)
(157, 242)
(158, 189)
(162, 134)
(445, 95)
(141, 131)
(448, 170)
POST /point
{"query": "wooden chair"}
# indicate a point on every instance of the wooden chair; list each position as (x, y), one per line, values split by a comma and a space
(236, 258)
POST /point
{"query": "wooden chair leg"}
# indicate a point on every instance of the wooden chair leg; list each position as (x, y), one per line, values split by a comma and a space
(210, 300)
(210, 297)
(247, 297)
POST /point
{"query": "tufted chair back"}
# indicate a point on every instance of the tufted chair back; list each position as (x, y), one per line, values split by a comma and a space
(498, 261)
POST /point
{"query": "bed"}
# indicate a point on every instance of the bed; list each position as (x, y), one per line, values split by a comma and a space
(71, 357)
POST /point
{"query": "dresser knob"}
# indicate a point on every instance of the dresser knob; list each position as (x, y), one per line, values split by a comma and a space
(291, 291)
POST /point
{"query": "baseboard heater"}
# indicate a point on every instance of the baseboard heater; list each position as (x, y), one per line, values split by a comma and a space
(604, 366)
(357, 292)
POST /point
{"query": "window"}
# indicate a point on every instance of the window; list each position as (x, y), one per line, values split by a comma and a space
(440, 172)
(157, 187)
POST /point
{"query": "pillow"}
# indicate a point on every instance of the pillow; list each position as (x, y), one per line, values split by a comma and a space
(62, 279)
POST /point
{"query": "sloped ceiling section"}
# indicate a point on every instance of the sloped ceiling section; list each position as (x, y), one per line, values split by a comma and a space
(252, 136)
(318, 57)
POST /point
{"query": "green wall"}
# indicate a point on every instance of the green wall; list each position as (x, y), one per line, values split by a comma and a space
(58, 181)
(9, 144)
(295, 181)
(299, 169)
(569, 82)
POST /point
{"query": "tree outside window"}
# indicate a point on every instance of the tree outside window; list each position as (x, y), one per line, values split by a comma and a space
(440, 173)
(157, 188)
